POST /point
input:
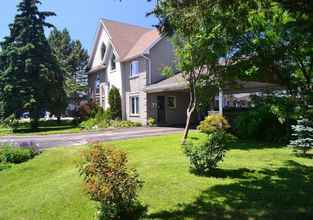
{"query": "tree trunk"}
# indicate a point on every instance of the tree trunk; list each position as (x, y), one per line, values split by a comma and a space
(190, 110)
(187, 127)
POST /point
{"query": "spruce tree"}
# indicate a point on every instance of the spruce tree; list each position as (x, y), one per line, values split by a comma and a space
(303, 133)
(72, 58)
(29, 73)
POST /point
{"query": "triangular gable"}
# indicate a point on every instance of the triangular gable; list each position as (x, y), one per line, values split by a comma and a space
(128, 41)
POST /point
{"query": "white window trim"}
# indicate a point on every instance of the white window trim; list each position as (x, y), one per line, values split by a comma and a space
(134, 75)
(175, 104)
(137, 111)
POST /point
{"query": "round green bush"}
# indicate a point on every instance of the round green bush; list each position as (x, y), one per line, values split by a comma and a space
(213, 123)
(205, 156)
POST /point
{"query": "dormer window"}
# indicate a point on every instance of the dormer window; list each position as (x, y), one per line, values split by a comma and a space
(113, 62)
(134, 68)
(103, 50)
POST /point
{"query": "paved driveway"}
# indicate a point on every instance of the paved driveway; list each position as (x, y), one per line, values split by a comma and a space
(69, 140)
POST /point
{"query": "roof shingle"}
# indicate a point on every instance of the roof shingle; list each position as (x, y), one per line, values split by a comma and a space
(130, 40)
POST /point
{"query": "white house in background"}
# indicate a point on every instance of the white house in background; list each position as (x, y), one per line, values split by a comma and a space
(131, 59)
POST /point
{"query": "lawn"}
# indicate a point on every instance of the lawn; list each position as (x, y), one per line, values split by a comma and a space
(45, 128)
(254, 182)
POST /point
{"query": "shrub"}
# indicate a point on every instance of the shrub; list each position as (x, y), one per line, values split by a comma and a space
(103, 115)
(124, 124)
(303, 133)
(89, 124)
(151, 122)
(109, 181)
(87, 108)
(11, 153)
(269, 120)
(115, 103)
(205, 156)
(213, 123)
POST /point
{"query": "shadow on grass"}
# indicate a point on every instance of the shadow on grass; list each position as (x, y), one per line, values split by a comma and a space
(249, 145)
(285, 193)
(242, 173)
(44, 126)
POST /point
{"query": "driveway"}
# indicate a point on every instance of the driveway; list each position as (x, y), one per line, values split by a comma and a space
(76, 139)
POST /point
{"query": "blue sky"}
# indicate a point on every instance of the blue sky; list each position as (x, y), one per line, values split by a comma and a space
(81, 17)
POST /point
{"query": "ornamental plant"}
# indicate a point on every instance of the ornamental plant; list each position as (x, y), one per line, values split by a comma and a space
(205, 156)
(115, 103)
(213, 123)
(303, 133)
(109, 180)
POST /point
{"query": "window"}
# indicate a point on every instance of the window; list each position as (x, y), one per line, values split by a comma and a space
(134, 105)
(134, 68)
(97, 83)
(171, 102)
(103, 50)
(113, 62)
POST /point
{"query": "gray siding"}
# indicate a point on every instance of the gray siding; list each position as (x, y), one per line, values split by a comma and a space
(135, 87)
(176, 116)
(162, 54)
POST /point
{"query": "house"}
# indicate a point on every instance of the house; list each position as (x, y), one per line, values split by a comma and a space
(131, 58)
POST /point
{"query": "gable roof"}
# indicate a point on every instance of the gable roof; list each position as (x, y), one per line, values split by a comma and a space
(129, 41)
(143, 44)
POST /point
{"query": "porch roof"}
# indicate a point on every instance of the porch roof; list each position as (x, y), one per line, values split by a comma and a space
(177, 83)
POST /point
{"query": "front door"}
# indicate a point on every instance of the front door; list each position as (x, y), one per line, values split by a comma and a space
(161, 109)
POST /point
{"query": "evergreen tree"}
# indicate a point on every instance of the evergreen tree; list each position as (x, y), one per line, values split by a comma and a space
(115, 103)
(303, 133)
(72, 58)
(29, 73)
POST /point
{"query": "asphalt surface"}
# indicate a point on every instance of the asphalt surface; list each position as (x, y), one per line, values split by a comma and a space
(77, 139)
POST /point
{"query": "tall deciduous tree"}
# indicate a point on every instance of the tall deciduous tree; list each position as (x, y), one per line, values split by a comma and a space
(257, 39)
(29, 75)
(201, 42)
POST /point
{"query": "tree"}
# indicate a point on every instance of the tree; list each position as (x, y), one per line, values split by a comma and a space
(201, 42)
(261, 40)
(29, 74)
(115, 103)
(303, 133)
(73, 59)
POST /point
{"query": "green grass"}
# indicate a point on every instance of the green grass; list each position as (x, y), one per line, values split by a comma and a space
(254, 182)
(45, 128)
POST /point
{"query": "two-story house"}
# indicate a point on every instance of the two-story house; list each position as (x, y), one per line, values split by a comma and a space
(131, 59)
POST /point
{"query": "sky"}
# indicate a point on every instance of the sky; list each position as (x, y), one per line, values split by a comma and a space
(81, 17)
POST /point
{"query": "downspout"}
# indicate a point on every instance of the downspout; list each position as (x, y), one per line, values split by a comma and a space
(149, 68)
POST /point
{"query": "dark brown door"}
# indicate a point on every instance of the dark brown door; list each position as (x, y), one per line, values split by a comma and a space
(161, 109)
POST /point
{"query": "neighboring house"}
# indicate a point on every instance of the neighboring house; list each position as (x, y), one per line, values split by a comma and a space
(131, 59)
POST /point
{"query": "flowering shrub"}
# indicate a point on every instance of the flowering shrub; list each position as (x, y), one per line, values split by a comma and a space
(109, 181)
